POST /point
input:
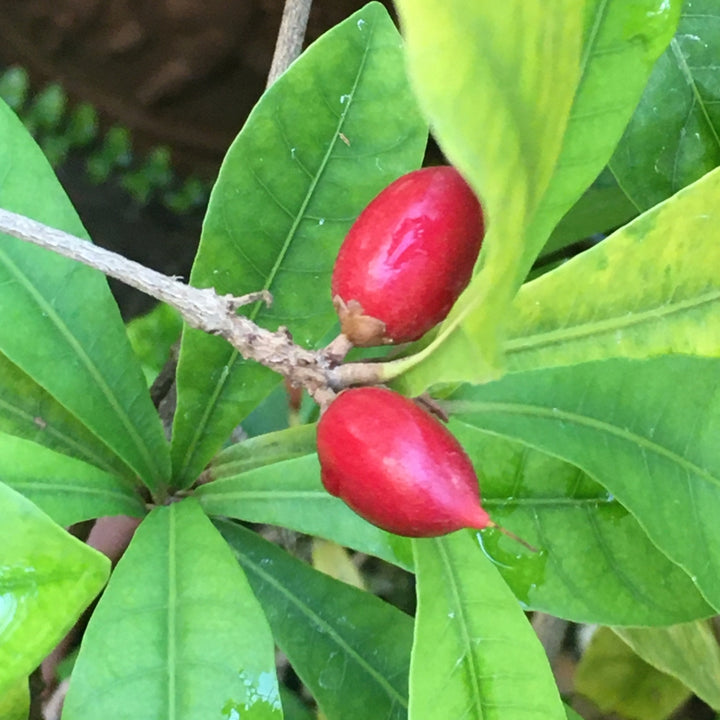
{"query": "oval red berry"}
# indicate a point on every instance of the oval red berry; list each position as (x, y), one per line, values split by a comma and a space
(396, 465)
(409, 255)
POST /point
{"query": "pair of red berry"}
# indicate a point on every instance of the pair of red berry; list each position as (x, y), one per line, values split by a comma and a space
(400, 269)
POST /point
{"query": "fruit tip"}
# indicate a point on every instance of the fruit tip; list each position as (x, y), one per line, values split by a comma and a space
(513, 536)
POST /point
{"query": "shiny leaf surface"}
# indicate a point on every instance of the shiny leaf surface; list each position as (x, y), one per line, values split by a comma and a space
(651, 288)
(289, 493)
(475, 653)
(646, 430)
(465, 60)
(621, 44)
(178, 633)
(673, 137)
(47, 578)
(70, 307)
(595, 562)
(582, 571)
(350, 648)
(334, 130)
(29, 411)
(68, 490)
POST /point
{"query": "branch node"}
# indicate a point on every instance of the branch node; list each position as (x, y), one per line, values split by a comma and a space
(203, 309)
(336, 350)
(236, 302)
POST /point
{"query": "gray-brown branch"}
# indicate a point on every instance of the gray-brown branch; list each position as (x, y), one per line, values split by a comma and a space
(290, 37)
(204, 309)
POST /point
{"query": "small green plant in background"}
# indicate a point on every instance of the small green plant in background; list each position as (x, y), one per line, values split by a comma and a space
(63, 129)
(586, 398)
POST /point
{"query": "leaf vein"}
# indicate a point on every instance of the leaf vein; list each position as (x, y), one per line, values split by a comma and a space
(79, 351)
(328, 629)
(584, 330)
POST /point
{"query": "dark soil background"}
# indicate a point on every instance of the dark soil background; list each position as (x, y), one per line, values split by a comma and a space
(179, 73)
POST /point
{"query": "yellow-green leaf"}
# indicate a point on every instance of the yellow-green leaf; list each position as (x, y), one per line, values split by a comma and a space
(47, 578)
(652, 288)
(496, 80)
(334, 560)
(622, 42)
(474, 654)
(689, 652)
(617, 680)
(15, 701)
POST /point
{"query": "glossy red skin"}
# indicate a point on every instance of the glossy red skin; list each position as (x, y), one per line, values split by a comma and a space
(397, 466)
(411, 252)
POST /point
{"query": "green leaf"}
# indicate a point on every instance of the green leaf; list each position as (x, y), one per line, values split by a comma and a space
(504, 134)
(475, 653)
(84, 360)
(464, 60)
(622, 42)
(275, 479)
(651, 288)
(68, 490)
(334, 130)
(152, 337)
(293, 707)
(257, 452)
(673, 137)
(646, 430)
(178, 632)
(617, 680)
(350, 648)
(15, 701)
(688, 652)
(271, 415)
(602, 208)
(583, 570)
(571, 714)
(47, 578)
(29, 411)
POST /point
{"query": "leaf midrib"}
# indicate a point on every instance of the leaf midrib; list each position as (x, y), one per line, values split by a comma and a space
(86, 454)
(299, 216)
(690, 79)
(51, 486)
(90, 367)
(465, 407)
(328, 629)
(172, 628)
(537, 341)
(488, 500)
(462, 622)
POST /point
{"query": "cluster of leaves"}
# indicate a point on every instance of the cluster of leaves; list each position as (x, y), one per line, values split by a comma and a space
(587, 398)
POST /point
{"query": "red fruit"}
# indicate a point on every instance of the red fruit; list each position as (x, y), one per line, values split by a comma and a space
(397, 466)
(407, 257)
